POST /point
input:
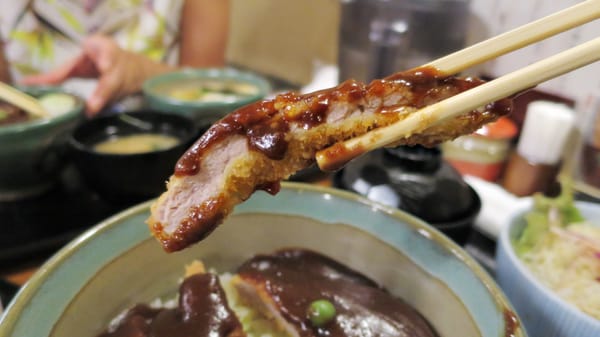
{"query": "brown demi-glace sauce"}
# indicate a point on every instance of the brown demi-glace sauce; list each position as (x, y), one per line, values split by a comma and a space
(511, 323)
(293, 278)
(265, 127)
(203, 311)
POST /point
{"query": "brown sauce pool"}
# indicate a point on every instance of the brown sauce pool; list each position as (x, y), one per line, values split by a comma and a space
(290, 279)
(203, 311)
(294, 278)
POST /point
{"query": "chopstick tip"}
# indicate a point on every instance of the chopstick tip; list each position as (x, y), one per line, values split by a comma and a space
(337, 156)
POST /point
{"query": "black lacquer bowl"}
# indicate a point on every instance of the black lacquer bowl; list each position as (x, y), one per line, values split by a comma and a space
(416, 180)
(123, 178)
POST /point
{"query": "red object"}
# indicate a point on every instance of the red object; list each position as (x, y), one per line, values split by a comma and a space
(484, 152)
(503, 128)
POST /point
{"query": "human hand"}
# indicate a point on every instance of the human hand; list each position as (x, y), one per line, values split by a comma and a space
(119, 72)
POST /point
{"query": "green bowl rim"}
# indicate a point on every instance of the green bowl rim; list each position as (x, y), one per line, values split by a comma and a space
(20, 127)
(23, 297)
(189, 73)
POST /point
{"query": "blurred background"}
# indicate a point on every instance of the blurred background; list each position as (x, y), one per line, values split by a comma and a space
(281, 45)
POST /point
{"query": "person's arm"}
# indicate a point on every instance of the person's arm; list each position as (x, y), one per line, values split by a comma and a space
(4, 66)
(204, 28)
(119, 72)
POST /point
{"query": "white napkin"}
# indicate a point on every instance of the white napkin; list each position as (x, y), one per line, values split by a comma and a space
(498, 206)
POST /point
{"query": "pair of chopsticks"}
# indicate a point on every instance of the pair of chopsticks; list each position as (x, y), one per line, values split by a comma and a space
(501, 87)
(22, 100)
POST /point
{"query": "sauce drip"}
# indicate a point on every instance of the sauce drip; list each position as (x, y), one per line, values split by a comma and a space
(294, 278)
(511, 323)
(266, 123)
(203, 311)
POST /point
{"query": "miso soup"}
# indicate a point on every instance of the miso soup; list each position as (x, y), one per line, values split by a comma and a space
(137, 143)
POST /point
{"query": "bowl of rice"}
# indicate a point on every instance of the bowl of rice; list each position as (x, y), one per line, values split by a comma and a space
(548, 264)
(117, 264)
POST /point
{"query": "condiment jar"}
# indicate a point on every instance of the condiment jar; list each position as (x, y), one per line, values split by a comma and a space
(590, 156)
(534, 165)
(483, 153)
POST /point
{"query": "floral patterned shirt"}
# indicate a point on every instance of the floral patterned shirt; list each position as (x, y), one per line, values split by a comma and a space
(39, 35)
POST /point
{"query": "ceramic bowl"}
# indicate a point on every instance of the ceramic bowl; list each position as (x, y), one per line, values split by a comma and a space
(117, 263)
(133, 177)
(158, 92)
(543, 313)
(417, 180)
(31, 153)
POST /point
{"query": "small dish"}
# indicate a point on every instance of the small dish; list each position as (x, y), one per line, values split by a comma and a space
(182, 92)
(129, 177)
(31, 151)
(542, 311)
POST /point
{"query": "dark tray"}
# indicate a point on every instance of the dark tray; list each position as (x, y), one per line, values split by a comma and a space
(43, 224)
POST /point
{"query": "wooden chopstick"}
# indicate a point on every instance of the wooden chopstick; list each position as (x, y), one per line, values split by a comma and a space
(21, 100)
(469, 100)
(517, 38)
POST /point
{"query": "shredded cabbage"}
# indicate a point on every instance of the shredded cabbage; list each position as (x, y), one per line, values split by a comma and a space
(563, 251)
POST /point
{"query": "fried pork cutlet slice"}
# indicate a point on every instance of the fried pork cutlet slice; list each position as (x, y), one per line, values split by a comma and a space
(282, 286)
(257, 146)
(203, 311)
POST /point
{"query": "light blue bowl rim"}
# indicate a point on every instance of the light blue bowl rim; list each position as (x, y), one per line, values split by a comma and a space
(505, 241)
(36, 123)
(198, 73)
(468, 287)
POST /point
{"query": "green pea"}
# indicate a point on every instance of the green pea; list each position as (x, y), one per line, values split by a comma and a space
(320, 312)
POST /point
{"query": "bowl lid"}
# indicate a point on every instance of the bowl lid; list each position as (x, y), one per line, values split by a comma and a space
(414, 179)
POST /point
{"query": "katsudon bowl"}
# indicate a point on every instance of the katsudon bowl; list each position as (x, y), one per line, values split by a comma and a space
(117, 264)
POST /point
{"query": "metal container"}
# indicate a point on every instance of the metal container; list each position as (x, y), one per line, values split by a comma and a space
(380, 37)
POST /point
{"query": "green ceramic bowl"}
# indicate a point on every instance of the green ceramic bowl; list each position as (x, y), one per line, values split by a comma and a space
(117, 263)
(30, 151)
(158, 92)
